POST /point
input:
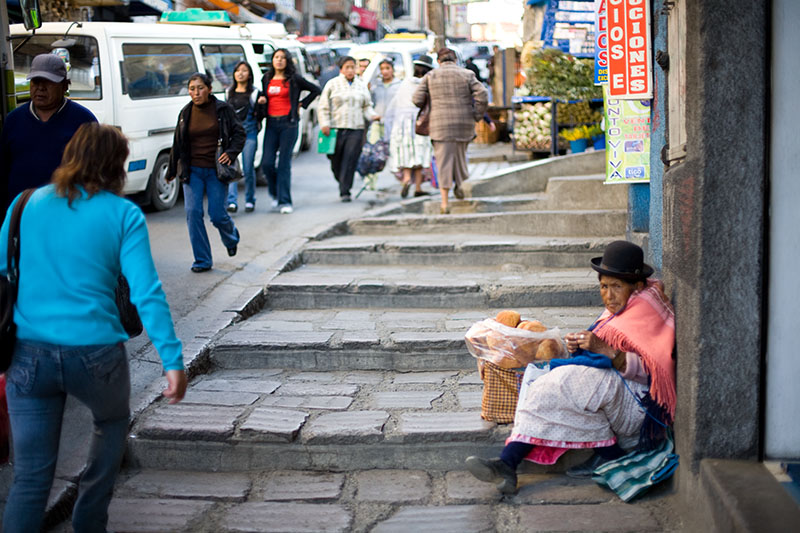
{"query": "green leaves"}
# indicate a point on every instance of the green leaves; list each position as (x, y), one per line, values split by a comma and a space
(559, 75)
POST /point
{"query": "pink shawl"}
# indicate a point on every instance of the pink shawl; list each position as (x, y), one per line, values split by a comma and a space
(647, 326)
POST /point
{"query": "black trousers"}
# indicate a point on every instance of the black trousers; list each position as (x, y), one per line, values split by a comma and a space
(345, 158)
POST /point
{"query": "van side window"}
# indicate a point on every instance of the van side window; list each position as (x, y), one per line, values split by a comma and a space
(156, 70)
(80, 54)
(219, 60)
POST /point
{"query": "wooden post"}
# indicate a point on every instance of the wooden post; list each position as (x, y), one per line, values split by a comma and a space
(436, 22)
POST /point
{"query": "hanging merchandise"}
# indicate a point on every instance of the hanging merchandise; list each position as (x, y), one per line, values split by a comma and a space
(569, 25)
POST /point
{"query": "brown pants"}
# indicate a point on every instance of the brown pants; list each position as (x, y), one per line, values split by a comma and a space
(451, 160)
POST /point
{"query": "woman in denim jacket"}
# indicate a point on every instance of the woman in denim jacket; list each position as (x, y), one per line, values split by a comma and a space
(77, 235)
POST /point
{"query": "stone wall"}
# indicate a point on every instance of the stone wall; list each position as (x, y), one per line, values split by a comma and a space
(714, 235)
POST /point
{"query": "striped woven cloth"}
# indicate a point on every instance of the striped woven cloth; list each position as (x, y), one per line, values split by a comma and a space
(500, 392)
(636, 472)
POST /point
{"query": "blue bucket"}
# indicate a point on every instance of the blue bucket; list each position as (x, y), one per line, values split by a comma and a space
(599, 142)
(578, 146)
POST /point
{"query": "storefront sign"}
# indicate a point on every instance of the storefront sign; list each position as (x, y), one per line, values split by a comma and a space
(629, 61)
(627, 140)
(364, 18)
(600, 43)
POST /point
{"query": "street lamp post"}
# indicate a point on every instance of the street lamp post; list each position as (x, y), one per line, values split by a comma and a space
(436, 22)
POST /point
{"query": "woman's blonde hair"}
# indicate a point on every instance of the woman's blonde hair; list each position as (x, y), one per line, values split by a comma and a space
(94, 159)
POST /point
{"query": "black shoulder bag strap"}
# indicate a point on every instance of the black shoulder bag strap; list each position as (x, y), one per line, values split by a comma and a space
(14, 239)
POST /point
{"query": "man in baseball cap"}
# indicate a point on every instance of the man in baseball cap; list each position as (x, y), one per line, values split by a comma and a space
(35, 133)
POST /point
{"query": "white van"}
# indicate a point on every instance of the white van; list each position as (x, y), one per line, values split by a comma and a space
(134, 76)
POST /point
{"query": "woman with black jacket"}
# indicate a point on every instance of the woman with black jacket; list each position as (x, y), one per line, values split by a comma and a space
(280, 101)
(203, 125)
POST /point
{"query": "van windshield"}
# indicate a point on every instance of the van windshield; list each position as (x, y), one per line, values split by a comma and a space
(80, 55)
(156, 70)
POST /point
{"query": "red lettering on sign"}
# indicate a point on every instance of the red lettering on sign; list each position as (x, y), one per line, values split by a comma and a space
(629, 53)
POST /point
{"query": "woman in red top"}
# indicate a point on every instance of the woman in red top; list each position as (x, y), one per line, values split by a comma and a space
(282, 86)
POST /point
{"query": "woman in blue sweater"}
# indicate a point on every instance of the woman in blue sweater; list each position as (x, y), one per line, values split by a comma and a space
(76, 236)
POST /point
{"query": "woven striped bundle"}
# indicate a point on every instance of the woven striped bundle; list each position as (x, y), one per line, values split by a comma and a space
(636, 472)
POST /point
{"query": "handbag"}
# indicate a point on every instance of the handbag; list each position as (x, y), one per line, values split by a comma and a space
(227, 173)
(128, 315)
(8, 284)
(326, 144)
(423, 123)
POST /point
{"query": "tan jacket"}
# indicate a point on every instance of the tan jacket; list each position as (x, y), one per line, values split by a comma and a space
(458, 100)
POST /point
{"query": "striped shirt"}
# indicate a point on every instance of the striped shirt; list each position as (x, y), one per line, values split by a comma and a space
(344, 104)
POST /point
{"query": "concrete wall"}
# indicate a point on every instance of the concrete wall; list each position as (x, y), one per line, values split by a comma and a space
(714, 226)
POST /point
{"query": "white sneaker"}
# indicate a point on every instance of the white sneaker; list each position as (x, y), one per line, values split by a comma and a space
(249, 207)
(274, 203)
(287, 209)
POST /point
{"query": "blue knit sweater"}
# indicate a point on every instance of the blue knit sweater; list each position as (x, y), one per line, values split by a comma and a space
(70, 258)
(32, 149)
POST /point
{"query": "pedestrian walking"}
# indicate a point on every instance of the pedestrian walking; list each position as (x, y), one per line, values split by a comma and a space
(77, 236)
(204, 125)
(280, 102)
(345, 104)
(243, 97)
(457, 100)
(410, 152)
(35, 133)
(621, 364)
(383, 91)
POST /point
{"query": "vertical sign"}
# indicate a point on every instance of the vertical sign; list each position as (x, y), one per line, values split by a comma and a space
(627, 140)
(629, 61)
(600, 43)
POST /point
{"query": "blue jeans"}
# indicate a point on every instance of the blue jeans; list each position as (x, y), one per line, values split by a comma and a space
(280, 136)
(39, 380)
(249, 171)
(203, 181)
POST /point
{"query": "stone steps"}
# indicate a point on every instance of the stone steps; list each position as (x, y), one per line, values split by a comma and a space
(381, 500)
(456, 249)
(244, 420)
(547, 223)
(368, 339)
(413, 286)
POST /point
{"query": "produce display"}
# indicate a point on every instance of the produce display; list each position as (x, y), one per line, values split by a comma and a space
(532, 123)
(577, 113)
(497, 341)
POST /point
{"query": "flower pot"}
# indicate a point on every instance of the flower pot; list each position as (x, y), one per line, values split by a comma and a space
(599, 142)
(578, 146)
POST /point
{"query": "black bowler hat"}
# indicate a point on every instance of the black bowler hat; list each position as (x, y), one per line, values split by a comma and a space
(624, 260)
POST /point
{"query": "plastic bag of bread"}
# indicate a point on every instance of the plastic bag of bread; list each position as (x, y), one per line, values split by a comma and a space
(513, 347)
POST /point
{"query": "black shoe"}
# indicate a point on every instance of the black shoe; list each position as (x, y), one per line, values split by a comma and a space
(458, 192)
(346, 198)
(404, 190)
(493, 471)
(417, 194)
(200, 269)
(587, 468)
(232, 208)
(232, 250)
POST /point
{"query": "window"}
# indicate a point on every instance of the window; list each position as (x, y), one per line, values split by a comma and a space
(219, 61)
(80, 54)
(156, 70)
(676, 82)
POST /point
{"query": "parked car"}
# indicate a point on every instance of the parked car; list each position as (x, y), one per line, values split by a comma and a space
(402, 51)
(134, 77)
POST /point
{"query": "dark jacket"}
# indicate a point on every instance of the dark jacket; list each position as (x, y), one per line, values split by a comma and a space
(231, 132)
(297, 84)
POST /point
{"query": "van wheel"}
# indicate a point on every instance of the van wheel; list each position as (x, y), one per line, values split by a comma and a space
(161, 193)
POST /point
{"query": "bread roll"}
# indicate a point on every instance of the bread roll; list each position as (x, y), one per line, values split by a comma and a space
(508, 318)
(532, 325)
(548, 349)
